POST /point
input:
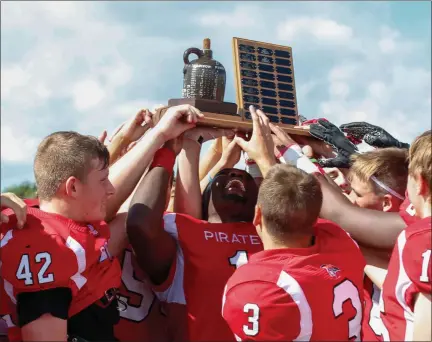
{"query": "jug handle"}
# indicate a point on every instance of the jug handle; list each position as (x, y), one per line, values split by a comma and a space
(190, 51)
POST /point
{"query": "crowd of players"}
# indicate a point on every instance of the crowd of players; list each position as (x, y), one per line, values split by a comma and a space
(323, 238)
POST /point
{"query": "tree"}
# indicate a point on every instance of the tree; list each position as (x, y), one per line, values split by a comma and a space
(23, 190)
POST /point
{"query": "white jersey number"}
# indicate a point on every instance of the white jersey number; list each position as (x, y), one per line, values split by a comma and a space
(341, 293)
(24, 273)
(253, 315)
(136, 313)
(424, 278)
(238, 259)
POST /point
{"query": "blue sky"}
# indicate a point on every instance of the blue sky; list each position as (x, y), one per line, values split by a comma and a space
(87, 66)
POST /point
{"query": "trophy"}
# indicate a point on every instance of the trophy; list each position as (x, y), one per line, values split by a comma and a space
(264, 78)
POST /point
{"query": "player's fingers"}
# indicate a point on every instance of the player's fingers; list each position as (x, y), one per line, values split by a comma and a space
(116, 132)
(307, 151)
(103, 136)
(256, 122)
(241, 142)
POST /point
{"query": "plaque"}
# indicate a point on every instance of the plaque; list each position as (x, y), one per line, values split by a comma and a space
(264, 77)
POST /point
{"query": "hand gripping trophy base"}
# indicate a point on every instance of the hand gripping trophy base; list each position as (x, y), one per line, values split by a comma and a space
(224, 115)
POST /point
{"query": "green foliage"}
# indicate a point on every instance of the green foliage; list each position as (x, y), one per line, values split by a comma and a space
(23, 190)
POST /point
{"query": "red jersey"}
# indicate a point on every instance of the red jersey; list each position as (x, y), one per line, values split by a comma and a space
(141, 318)
(407, 211)
(302, 294)
(409, 273)
(207, 255)
(53, 251)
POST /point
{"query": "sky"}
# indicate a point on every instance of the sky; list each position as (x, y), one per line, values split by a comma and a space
(88, 66)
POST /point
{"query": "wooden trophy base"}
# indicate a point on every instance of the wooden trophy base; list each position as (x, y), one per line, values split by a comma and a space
(226, 115)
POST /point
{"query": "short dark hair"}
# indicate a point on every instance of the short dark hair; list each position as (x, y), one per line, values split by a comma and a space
(62, 155)
(290, 201)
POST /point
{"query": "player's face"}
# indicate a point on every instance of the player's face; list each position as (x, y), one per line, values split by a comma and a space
(94, 193)
(339, 178)
(364, 195)
(234, 189)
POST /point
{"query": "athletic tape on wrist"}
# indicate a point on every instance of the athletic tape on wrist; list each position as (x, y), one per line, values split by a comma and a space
(293, 155)
(164, 157)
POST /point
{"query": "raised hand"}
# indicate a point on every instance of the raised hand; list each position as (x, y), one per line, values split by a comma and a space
(372, 135)
(177, 120)
(260, 147)
(134, 128)
(18, 206)
(231, 153)
(332, 135)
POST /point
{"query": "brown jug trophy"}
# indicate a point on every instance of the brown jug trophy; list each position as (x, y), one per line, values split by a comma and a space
(204, 81)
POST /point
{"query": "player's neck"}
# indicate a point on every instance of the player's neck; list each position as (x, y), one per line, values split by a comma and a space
(293, 242)
(59, 207)
(426, 210)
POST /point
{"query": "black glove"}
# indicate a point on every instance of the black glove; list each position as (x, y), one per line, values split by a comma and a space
(373, 135)
(332, 135)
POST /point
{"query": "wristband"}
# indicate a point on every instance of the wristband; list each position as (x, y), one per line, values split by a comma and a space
(165, 158)
(293, 155)
(252, 168)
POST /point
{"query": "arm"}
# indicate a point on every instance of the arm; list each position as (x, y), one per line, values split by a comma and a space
(422, 318)
(45, 328)
(118, 240)
(209, 160)
(369, 227)
(376, 264)
(43, 315)
(126, 172)
(187, 198)
(230, 157)
(154, 248)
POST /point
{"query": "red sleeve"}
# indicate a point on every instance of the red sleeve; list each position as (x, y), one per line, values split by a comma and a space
(416, 258)
(259, 311)
(34, 260)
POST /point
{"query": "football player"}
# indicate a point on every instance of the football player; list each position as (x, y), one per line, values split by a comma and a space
(274, 296)
(188, 259)
(406, 299)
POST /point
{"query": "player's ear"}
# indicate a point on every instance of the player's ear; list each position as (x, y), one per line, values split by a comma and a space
(387, 203)
(72, 187)
(257, 218)
(422, 186)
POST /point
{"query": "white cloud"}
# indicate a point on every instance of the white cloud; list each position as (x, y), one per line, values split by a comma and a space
(241, 17)
(324, 30)
(15, 146)
(87, 94)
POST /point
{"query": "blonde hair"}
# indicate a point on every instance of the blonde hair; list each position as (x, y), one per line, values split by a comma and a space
(387, 165)
(420, 157)
(62, 155)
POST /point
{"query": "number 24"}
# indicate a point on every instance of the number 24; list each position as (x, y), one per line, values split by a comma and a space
(24, 272)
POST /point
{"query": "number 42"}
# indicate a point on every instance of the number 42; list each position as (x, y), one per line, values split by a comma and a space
(24, 273)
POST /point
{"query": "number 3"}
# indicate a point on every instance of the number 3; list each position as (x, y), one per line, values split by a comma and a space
(24, 273)
(343, 292)
(251, 319)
